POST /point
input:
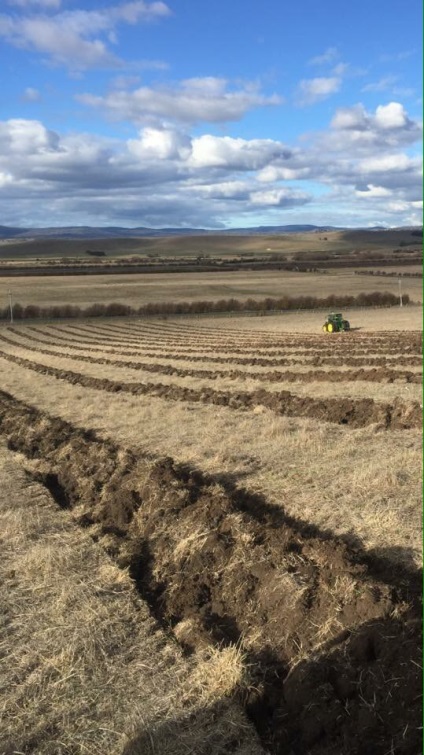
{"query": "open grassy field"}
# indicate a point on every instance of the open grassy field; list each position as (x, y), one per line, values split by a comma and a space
(259, 481)
(139, 289)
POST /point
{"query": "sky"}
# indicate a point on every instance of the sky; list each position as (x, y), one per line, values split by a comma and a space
(210, 114)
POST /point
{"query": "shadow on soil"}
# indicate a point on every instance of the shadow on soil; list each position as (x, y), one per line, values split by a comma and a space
(331, 633)
(394, 565)
(357, 697)
(214, 730)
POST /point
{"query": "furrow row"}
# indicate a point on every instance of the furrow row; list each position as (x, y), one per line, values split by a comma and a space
(195, 356)
(372, 375)
(344, 411)
(321, 346)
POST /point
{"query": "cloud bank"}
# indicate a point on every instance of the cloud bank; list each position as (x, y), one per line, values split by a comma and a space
(361, 166)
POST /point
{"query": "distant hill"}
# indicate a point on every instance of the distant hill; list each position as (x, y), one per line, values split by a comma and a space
(109, 232)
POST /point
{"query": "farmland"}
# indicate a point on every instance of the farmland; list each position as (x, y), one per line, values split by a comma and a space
(140, 289)
(258, 483)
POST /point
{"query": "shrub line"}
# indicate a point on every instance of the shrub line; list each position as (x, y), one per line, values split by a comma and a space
(268, 305)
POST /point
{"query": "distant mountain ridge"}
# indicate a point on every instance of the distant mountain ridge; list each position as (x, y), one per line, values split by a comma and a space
(92, 232)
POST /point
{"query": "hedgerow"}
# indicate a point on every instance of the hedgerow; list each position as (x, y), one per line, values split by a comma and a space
(281, 304)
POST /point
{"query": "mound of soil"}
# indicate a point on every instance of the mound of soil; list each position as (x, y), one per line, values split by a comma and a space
(342, 411)
(332, 639)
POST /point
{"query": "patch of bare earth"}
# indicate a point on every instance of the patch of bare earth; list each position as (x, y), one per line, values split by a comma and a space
(85, 668)
(322, 642)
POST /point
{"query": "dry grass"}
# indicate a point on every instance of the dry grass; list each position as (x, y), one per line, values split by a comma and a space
(84, 667)
(354, 389)
(367, 320)
(218, 673)
(364, 483)
(139, 289)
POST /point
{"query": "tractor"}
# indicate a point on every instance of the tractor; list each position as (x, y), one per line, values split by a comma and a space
(335, 323)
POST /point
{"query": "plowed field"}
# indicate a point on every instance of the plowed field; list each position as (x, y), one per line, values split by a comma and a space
(263, 491)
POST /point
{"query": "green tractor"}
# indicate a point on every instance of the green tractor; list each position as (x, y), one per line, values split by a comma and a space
(335, 323)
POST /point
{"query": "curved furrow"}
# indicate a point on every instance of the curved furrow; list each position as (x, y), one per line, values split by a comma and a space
(371, 375)
(321, 344)
(344, 411)
(263, 358)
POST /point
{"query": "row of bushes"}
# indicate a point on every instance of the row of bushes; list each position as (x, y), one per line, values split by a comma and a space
(283, 303)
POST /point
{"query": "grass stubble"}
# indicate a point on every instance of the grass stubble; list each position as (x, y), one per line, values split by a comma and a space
(85, 667)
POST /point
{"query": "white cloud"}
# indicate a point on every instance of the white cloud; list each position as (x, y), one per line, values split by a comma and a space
(166, 176)
(192, 101)
(235, 154)
(391, 116)
(31, 95)
(389, 127)
(6, 179)
(384, 163)
(315, 90)
(73, 38)
(279, 197)
(26, 137)
(329, 56)
(138, 10)
(341, 69)
(274, 173)
(355, 118)
(160, 144)
(382, 85)
(238, 190)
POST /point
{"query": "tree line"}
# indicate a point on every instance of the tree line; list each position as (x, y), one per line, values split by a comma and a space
(280, 304)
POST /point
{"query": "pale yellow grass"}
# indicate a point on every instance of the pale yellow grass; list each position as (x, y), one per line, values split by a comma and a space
(368, 320)
(352, 389)
(139, 289)
(85, 669)
(360, 483)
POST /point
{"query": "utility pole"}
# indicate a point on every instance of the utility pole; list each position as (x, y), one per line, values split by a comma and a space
(400, 293)
(11, 308)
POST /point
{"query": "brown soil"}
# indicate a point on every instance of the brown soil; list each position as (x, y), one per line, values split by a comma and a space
(332, 637)
(321, 345)
(372, 375)
(342, 411)
(185, 352)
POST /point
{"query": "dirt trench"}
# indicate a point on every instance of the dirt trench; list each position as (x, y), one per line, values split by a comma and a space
(354, 413)
(331, 637)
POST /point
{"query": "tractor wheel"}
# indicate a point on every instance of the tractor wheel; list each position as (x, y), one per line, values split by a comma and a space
(330, 327)
(324, 327)
(346, 324)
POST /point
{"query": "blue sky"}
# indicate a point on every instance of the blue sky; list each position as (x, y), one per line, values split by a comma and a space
(216, 114)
